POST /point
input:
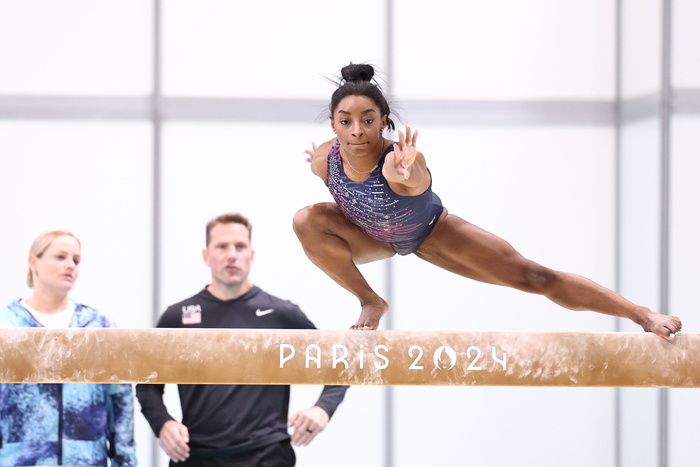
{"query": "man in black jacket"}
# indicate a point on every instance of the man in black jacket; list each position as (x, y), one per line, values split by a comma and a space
(234, 425)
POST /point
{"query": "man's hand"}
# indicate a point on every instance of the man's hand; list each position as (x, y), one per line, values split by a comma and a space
(174, 438)
(307, 424)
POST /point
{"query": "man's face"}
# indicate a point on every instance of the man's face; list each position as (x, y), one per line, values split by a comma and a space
(229, 254)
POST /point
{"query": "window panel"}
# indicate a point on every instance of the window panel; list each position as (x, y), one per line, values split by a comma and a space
(641, 47)
(276, 48)
(685, 40)
(536, 49)
(78, 47)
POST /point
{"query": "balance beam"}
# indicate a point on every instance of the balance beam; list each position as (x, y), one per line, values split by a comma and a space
(272, 356)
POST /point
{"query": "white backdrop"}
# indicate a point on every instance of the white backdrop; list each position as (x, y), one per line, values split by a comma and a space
(549, 188)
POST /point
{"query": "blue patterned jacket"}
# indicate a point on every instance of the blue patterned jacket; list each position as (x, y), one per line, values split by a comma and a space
(65, 424)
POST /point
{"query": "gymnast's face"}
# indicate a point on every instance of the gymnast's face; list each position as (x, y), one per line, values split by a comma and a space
(358, 123)
(57, 267)
(229, 254)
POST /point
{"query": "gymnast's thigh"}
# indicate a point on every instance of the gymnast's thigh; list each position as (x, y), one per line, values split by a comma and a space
(313, 223)
(465, 249)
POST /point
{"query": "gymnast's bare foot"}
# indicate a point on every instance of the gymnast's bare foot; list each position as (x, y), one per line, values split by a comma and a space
(371, 313)
(665, 326)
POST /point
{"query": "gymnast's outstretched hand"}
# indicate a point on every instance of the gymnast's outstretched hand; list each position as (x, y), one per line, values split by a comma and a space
(307, 424)
(405, 152)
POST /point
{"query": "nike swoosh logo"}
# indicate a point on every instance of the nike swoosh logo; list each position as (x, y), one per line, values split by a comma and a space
(260, 312)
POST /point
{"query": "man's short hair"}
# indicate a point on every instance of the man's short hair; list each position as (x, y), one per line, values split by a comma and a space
(229, 218)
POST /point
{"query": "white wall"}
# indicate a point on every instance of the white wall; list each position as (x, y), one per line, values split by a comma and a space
(685, 275)
(76, 47)
(685, 224)
(549, 189)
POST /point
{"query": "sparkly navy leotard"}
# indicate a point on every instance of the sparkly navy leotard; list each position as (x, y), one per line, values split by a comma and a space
(403, 221)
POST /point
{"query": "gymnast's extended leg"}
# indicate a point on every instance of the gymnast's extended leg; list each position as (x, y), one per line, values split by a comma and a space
(462, 248)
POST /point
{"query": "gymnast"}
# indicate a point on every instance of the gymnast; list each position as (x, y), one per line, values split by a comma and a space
(384, 205)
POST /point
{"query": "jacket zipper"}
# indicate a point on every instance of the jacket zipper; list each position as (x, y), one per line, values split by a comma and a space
(60, 424)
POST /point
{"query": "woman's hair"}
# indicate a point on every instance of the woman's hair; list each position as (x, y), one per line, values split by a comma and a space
(229, 218)
(39, 246)
(356, 80)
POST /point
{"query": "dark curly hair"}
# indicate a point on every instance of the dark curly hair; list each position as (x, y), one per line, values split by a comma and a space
(357, 80)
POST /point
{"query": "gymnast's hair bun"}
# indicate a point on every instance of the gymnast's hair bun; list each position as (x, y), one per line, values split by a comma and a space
(357, 72)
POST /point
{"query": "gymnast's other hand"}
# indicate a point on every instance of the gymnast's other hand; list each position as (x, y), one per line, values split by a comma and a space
(307, 424)
(317, 156)
(174, 438)
(311, 153)
(318, 152)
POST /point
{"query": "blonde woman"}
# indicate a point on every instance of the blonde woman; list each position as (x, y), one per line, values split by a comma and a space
(62, 424)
